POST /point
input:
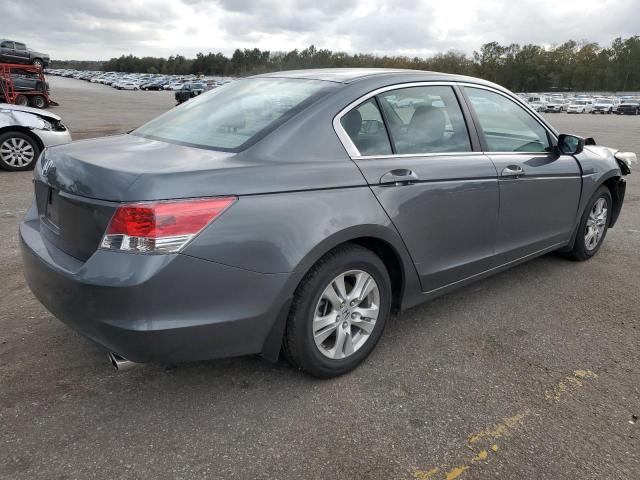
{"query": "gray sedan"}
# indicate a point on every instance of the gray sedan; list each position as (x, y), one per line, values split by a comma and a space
(24, 132)
(296, 211)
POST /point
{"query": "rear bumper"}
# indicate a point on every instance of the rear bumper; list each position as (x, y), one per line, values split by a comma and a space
(154, 308)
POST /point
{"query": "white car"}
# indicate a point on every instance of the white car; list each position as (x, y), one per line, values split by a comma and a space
(127, 86)
(537, 102)
(605, 105)
(580, 106)
(24, 132)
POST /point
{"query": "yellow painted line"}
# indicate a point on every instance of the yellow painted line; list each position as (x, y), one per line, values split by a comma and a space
(481, 456)
(499, 430)
(425, 474)
(505, 428)
(456, 472)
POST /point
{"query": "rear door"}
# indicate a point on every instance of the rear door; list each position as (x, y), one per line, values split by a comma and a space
(539, 189)
(420, 162)
(21, 53)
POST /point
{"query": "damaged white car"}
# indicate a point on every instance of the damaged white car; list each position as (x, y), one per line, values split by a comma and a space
(25, 132)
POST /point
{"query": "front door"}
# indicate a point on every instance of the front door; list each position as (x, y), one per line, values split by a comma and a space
(539, 189)
(441, 195)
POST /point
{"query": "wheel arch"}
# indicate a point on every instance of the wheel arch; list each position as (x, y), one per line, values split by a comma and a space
(24, 130)
(383, 242)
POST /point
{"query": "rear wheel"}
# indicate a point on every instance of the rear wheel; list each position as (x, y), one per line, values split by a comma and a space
(18, 151)
(339, 312)
(38, 101)
(593, 226)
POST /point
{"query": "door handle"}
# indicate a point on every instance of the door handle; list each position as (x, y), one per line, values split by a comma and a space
(513, 171)
(400, 176)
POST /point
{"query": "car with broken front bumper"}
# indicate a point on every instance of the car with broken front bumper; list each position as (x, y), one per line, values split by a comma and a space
(296, 211)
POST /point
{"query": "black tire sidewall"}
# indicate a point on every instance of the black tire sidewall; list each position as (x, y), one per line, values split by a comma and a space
(580, 247)
(21, 101)
(34, 145)
(310, 358)
(38, 98)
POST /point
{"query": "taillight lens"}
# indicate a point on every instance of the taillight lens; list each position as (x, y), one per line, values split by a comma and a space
(161, 227)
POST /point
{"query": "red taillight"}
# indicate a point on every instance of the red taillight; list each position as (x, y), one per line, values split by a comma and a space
(161, 227)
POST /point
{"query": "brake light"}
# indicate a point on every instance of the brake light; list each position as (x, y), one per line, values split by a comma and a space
(161, 227)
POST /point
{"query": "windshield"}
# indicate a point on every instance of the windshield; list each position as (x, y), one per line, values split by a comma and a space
(581, 102)
(605, 102)
(232, 115)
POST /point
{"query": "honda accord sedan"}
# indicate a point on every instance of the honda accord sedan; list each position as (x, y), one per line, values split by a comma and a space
(296, 211)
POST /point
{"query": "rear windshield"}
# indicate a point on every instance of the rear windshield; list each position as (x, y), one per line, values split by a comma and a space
(235, 114)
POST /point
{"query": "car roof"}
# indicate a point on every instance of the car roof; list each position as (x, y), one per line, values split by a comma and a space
(348, 75)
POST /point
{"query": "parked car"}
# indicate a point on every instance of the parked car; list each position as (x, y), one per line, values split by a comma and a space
(629, 107)
(556, 105)
(605, 105)
(188, 91)
(538, 102)
(580, 105)
(24, 132)
(16, 52)
(285, 210)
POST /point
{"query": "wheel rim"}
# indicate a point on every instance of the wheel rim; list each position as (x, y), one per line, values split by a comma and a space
(16, 152)
(346, 314)
(596, 224)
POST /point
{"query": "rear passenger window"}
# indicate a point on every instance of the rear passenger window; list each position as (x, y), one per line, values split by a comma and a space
(366, 129)
(425, 120)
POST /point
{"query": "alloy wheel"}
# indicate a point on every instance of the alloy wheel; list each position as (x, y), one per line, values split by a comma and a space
(16, 152)
(346, 314)
(596, 224)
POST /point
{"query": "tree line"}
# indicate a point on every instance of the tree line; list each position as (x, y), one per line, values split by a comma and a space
(582, 66)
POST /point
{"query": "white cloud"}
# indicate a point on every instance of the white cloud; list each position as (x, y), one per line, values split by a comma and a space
(99, 29)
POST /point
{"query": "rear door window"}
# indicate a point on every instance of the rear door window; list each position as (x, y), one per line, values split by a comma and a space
(366, 129)
(425, 120)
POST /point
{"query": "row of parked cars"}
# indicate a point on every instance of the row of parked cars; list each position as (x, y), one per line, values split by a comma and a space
(557, 103)
(140, 81)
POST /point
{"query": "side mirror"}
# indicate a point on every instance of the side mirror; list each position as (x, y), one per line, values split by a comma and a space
(570, 144)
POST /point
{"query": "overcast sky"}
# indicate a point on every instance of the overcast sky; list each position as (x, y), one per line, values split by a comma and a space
(101, 29)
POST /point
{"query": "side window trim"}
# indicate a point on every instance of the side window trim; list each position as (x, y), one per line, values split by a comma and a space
(551, 135)
(352, 150)
(385, 122)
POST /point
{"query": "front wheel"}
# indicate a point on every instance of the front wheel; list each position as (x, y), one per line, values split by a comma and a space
(18, 151)
(22, 101)
(593, 226)
(37, 63)
(339, 312)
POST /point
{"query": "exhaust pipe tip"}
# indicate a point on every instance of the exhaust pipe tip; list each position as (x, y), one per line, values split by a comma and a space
(120, 363)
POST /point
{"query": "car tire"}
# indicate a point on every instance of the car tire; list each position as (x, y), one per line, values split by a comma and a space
(38, 101)
(37, 63)
(18, 151)
(586, 246)
(21, 101)
(338, 347)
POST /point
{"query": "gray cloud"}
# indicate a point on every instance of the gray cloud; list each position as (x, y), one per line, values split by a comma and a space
(99, 29)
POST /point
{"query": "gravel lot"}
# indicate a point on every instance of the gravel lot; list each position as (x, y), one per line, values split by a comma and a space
(531, 374)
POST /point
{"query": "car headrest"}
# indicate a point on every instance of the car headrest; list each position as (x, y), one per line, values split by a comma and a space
(352, 123)
(429, 123)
